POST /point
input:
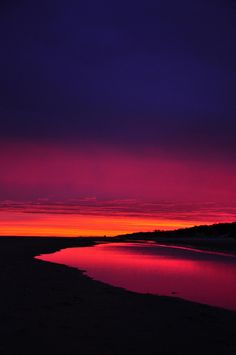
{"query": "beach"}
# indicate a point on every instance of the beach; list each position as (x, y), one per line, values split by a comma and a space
(53, 309)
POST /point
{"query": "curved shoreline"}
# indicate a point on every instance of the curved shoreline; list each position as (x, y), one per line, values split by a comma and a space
(52, 309)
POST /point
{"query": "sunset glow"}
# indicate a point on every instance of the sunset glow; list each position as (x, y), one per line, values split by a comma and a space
(69, 190)
(72, 226)
(99, 218)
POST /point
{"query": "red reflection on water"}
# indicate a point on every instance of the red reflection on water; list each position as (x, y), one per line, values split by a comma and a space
(147, 268)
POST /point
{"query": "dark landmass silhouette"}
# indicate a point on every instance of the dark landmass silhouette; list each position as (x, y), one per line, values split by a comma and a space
(216, 237)
(47, 308)
(214, 230)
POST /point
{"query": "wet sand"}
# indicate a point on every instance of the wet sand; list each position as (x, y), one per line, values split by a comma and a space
(52, 309)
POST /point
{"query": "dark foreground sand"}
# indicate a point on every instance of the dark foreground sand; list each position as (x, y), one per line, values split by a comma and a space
(52, 309)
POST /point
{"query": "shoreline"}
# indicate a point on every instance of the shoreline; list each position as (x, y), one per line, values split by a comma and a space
(48, 308)
(225, 245)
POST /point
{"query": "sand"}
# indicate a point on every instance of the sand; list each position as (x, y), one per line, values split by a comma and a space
(52, 309)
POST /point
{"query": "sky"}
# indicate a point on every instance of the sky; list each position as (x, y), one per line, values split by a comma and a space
(116, 103)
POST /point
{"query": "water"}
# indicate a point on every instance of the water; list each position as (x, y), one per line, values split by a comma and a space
(198, 276)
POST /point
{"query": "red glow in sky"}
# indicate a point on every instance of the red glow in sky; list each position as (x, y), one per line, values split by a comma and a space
(76, 190)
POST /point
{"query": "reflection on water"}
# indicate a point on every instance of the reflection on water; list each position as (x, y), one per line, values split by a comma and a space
(146, 268)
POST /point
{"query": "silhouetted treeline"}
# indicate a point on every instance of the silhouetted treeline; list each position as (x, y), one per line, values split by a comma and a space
(215, 230)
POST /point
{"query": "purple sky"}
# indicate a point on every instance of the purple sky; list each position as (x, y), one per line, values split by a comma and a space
(130, 73)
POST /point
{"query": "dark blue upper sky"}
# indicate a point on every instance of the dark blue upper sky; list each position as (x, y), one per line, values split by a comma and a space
(122, 72)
